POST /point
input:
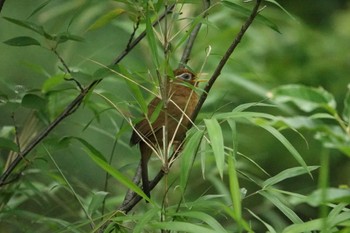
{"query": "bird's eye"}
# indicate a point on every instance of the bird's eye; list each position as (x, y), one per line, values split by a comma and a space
(185, 76)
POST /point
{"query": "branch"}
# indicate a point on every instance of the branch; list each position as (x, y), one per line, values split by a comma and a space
(1, 4)
(126, 207)
(189, 44)
(225, 58)
(67, 111)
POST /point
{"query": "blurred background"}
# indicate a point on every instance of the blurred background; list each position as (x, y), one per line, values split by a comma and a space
(312, 48)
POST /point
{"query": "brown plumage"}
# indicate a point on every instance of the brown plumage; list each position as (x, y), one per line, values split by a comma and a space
(182, 97)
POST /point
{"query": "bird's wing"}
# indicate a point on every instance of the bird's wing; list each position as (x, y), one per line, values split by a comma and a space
(145, 128)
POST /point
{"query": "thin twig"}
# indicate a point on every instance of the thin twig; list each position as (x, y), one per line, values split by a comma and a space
(142, 35)
(126, 207)
(67, 70)
(190, 42)
(136, 26)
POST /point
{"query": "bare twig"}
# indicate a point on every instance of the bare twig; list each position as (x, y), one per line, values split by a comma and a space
(127, 206)
(190, 42)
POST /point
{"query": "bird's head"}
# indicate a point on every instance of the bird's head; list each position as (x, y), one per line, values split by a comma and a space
(185, 75)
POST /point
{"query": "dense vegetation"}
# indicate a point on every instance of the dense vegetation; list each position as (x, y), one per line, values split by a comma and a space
(270, 147)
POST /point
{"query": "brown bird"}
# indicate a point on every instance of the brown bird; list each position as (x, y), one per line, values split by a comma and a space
(181, 104)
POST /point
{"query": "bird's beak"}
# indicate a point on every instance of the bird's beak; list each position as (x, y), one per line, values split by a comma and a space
(201, 80)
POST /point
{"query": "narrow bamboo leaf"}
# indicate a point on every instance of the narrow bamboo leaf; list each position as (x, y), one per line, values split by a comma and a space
(346, 111)
(135, 89)
(106, 18)
(335, 195)
(306, 98)
(145, 220)
(22, 41)
(234, 189)
(246, 12)
(317, 225)
(33, 101)
(243, 107)
(100, 160)
(286, 174)
(41, 6)
(246, 115)
(151, 39)
(287, 144)
(96, 201)
(310, 226)
(288, 212)
(187, 157)
(182, 226)
(282, 8)
(212, 222)
(8, 144)
(29, 25)
(216, 142)
(268, 226)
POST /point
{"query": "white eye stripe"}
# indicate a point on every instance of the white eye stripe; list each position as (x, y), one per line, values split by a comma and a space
(185, 76)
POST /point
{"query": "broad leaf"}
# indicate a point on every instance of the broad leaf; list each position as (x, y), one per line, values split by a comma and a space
(306, 98)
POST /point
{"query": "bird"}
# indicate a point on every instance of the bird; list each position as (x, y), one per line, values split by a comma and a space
(149, 135)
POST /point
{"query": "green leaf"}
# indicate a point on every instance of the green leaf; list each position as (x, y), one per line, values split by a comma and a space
(33, 101)
(29, 25)
(318, 224)
(334, 195)
(234, 189)
(286, 174)
(41, 6)
(182, 226)
(96, 201)
(272, 196)
(52, 82)
(106, 18)
(282, 8)
(306, 98)
(212, 222)
(217, 143)
(22, 41)
(100, 160)
(187, 156)
(246, 13)
(8, 144)
(286, 143)
(346, 112)
(268, 226)
(151, 39)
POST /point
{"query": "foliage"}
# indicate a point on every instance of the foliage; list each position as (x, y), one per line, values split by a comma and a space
(268, 152)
